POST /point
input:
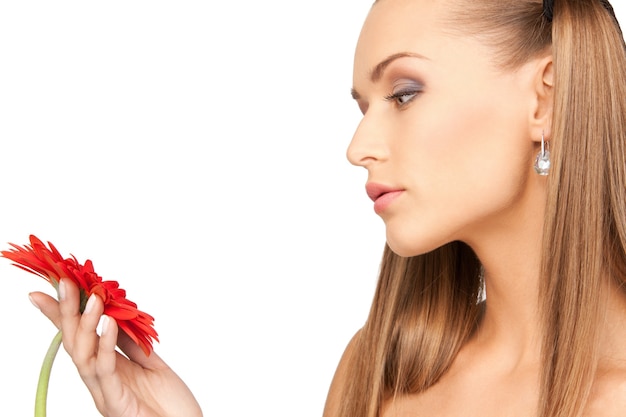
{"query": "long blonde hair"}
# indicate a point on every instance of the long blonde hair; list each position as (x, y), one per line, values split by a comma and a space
(426, 307)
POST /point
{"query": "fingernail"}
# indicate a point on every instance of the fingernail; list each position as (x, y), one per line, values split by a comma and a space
(90, 301)
(33, 302)
(104, 324)
(61, 290)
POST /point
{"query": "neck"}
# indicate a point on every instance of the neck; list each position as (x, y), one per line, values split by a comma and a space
(511, 322)
(510, 252)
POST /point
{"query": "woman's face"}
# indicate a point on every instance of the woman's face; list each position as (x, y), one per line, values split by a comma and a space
(445, 135)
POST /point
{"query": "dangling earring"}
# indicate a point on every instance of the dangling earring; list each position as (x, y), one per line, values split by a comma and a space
(542, 162)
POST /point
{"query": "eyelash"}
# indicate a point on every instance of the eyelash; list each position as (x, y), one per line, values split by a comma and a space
(400, 94)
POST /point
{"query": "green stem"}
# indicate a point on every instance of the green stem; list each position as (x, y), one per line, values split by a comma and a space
(44, 376)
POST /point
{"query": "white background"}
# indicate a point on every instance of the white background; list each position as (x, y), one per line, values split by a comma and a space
(195, 151)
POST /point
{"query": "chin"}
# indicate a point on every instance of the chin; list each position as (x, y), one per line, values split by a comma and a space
(408, 246)
(407, 251)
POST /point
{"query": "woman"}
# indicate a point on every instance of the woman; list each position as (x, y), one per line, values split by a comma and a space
(500, 289)
(462, 101)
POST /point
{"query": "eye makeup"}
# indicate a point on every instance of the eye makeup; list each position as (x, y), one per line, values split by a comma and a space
(404, 91)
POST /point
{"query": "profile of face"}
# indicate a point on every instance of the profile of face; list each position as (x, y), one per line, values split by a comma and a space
(447, 137)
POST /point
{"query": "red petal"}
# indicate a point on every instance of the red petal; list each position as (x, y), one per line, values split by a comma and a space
(48, 263)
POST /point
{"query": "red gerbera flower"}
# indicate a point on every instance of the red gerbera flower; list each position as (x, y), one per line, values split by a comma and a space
(48, 263)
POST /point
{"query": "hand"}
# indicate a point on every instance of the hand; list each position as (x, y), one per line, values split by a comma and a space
(132, 386)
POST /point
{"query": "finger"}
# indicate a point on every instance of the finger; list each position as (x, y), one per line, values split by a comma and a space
(110, 382)
(69, 299)
(86, 339)
(48, 306)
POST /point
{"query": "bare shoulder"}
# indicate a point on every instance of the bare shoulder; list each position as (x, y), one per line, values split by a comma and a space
(608, 396)
(333, 401)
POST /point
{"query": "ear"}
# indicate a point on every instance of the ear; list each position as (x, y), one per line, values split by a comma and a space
(543, 99)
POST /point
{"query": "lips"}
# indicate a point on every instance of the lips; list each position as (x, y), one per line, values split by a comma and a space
(375, 191)
(382, 195)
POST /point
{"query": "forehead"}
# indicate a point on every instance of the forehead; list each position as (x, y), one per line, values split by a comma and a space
(399, 26)
(396, 23)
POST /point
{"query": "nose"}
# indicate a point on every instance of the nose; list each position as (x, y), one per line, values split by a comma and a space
(367, 145)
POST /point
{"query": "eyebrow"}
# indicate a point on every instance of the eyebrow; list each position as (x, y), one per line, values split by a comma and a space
(378, 71)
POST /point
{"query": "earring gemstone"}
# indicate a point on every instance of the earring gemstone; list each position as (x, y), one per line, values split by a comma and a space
(542, 163)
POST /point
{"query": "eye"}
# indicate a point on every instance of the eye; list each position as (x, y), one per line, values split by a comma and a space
(403, 93)
(402, 97)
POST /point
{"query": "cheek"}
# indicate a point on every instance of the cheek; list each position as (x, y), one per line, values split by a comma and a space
(438, 139)
(474, 140)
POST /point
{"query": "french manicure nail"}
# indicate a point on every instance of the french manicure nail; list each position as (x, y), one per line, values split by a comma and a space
(105, 324)
(33, 302)
(61, 290)
(90, 301)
